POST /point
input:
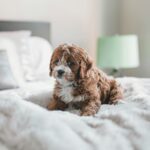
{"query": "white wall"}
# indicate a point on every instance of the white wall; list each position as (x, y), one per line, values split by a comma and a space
(72, 20)
(82, 21)
(110, 17)
(135, 19)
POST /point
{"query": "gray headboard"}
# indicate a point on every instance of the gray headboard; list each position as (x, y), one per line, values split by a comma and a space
(41, 29)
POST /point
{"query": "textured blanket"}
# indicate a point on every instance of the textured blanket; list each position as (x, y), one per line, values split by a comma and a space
(25, 124)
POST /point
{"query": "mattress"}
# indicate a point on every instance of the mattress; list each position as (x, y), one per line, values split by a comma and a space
(26, 124)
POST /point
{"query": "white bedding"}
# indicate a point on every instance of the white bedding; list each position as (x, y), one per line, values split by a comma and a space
(24, 125)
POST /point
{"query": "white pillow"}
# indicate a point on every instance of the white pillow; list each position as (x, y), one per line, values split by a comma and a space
(7, 80)
(15, 34)
(36, 62)
(20, 41)
(19, 38)
(34, 54)
(9, 46)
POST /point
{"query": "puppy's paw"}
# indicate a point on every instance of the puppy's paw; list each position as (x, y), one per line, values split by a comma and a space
(52, 105)
(87, 113)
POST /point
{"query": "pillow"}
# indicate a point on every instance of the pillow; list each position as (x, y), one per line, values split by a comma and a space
(20, 42)
(34, 54)
(19, 38)
(15, 34)
(36, 62)
(7, 80)
(10, 48)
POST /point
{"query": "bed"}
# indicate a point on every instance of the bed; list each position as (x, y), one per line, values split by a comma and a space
(26, 124)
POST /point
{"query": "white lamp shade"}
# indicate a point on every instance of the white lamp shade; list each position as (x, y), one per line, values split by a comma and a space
(118, 52)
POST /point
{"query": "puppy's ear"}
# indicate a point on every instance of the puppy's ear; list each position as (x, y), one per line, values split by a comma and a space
(89, 63)
(82, 69)
(85, 66)
(50, 67)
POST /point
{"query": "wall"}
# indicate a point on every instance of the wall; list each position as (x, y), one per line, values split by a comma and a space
(135, 20)
(72, 20)
(110, 17)
(83, 21)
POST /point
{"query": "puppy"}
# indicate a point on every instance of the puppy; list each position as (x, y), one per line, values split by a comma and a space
(79, 83)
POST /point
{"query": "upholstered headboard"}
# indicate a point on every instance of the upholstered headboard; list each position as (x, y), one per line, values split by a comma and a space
(41, 29)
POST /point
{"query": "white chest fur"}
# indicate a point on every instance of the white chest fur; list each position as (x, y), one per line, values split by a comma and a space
(67, 97)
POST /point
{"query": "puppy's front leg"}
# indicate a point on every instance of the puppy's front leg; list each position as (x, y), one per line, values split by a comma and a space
(56, 104)
(91, 108)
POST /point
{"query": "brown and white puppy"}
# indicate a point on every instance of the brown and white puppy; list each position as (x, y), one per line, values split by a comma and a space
(79, 83)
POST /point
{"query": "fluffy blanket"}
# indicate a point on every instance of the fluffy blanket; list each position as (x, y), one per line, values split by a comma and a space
(25, 124)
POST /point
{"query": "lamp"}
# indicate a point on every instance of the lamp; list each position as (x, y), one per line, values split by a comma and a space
(118, 52)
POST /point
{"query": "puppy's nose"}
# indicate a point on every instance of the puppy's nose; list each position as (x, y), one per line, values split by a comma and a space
(60, 72)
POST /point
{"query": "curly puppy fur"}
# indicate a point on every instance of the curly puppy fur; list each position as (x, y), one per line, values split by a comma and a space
(79, 83)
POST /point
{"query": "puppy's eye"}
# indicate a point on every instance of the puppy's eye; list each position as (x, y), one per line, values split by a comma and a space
(56, 62)
(70, 63)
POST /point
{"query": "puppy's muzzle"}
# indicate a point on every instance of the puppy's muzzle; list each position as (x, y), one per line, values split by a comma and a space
(60, 73)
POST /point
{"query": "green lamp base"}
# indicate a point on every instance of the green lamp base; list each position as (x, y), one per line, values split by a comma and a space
(116, 73)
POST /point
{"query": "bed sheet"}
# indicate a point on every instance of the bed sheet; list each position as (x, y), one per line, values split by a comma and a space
(25, 123)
